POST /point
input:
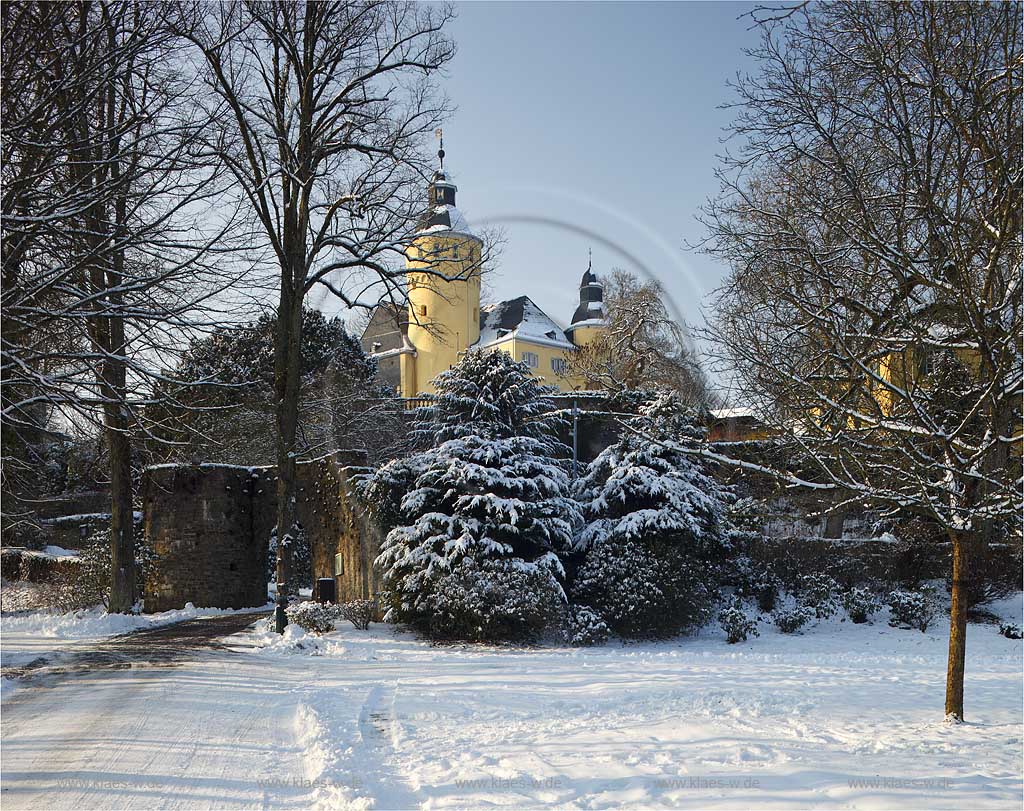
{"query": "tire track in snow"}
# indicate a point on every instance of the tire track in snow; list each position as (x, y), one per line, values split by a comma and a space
(380, 737)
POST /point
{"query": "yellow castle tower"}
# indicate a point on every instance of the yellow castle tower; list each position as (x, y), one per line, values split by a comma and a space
(443, 267)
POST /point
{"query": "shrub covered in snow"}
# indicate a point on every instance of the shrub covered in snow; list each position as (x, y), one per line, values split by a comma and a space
(88, 584)
(584, 626)
(476, 556)
(359, 612)
(736, 624)
(1010, 630)
(497, 600)
(654, 541)
(911, 609)
(757, 581)
(820, 593)
(317, 618)
(995, 571)
(791, 620)
(860, 603)
(646, 589)
(765, 587)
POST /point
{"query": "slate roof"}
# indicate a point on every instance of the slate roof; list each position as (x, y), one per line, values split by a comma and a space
(519, 318)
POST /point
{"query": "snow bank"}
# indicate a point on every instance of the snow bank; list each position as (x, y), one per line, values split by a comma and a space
(95, 622)
(31, 635)
(60, 552)
(294, 640)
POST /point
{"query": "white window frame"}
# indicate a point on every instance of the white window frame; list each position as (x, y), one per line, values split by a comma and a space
(531, 359)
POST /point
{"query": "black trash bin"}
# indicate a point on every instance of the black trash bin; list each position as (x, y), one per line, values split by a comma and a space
(325, 592)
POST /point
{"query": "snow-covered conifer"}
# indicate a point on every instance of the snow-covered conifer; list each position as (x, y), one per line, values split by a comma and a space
(654, 534)
(478, 554)
(491, 395)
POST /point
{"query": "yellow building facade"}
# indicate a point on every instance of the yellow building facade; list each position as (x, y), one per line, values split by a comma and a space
(444, 318)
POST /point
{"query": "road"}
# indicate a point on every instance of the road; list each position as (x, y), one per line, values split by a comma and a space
(156, 719)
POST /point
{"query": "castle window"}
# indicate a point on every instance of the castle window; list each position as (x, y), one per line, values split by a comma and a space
(455, 251)
(558, 365)
(339, 565)
(531, 359)
(422, 309)
(926, 365)
(440, 195)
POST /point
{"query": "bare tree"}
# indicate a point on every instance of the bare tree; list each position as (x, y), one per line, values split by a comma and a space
(329, 105)
(641, 346)
(106, 224)
(872, 220)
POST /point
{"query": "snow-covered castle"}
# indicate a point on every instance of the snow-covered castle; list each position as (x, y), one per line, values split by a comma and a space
(443, 317)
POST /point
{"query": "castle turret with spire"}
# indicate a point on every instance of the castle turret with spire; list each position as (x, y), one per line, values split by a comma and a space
(444, 317)
(589, 319)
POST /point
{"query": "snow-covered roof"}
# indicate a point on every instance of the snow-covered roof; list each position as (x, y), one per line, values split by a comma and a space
(521, 319)
(408, 349)
(588, 322)
(445, 218)
(732, 413)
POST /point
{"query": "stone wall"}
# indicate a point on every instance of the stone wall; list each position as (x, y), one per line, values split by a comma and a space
(198, 520)
(71, 531)
(210, 526)
(62, 520)
(344, 540)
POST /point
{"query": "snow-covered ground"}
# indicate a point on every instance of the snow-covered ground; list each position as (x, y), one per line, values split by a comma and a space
(843, 716)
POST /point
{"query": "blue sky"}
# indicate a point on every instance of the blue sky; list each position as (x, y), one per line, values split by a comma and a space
(592, 125)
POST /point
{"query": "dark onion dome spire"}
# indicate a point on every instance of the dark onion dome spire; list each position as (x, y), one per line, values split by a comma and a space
(591, 308)
(441, 213)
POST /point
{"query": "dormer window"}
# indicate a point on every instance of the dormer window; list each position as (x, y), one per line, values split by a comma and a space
(550, 334)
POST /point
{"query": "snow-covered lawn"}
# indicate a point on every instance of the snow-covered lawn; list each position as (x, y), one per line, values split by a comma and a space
(843, 716)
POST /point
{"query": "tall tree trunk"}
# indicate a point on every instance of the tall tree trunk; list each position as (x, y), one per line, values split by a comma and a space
(122, 527)
(957, 628)
(287, 375)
